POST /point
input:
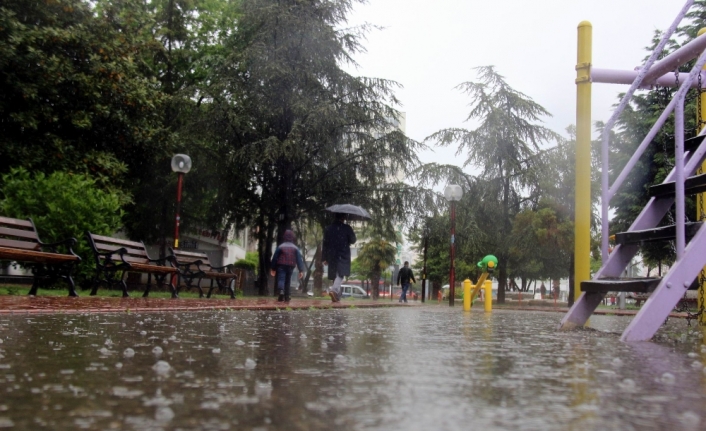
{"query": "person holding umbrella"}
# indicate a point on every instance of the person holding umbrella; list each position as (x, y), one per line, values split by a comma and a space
(336, 253)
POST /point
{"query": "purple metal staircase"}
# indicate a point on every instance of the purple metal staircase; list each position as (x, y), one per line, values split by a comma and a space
(689, 155)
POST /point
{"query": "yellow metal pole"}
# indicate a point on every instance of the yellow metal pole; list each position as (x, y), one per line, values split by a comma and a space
(478, 286)
(466, 295)
(582, 226)
(488, 287)
(701, 120)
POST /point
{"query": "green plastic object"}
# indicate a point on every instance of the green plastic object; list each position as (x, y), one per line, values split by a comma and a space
(489, 263)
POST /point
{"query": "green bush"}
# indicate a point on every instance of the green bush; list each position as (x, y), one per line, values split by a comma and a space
(62, 205)
(249, 263)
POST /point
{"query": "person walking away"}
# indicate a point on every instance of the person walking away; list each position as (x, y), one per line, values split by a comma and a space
(336, 253)
(286, 257)
(404, 276)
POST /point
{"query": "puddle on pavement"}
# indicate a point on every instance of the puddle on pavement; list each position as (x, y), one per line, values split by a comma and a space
(421, 368)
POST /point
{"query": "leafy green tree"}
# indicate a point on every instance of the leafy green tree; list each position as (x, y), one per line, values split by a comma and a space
(503, 146)
(296, 132)
(374, 257)
(62, 206)
(73, 96)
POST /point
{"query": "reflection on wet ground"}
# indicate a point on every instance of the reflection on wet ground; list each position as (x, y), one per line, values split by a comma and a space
(416, 368)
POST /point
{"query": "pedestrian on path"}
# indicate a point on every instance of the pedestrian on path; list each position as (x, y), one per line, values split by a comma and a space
(404, 276)
(286, 257)
(336, 253)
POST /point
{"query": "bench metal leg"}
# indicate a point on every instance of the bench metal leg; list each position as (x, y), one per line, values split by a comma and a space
(175, 292)
(210, 289)
(48, 274)
(149, 285)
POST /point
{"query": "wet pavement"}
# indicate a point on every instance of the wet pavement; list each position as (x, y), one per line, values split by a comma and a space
(406, 368)
(14, 304)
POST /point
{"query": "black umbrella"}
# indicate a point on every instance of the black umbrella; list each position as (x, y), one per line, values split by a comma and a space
(354, 212)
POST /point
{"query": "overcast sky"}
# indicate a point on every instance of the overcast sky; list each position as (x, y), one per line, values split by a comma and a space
(431, 46)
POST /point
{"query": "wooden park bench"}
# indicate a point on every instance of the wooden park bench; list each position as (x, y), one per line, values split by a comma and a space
(195, 266)
(116, 257)
(19, 242)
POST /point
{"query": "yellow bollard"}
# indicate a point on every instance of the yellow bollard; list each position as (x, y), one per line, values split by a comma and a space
(488, 292)
(466, 295)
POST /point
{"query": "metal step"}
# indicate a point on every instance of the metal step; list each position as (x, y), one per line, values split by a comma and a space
(693, 143)
(692, 186)
(603, 285)
(663, 233)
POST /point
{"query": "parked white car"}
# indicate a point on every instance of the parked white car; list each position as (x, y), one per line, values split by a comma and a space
(349, 291)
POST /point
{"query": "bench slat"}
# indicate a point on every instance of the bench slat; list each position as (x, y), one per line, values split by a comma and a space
(7, 231)
(24, 245)
(15, 222)
(142, 267)
(34, 256)
(129, 251)
(108, 240)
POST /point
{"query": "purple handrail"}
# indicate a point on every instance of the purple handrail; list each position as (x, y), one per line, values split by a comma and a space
(605, 181)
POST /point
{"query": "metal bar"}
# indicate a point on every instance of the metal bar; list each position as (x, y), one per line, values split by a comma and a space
(672, 287)
(605, 182)
(627, 77)
(649, 217)
(679, 171)
(655, 128)
(677, 58)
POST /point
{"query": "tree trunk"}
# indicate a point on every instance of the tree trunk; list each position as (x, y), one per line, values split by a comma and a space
(502, 279)
(375, 280)
(318, 272)
(264, 246)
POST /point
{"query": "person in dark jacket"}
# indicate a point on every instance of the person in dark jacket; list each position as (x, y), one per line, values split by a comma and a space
(336, 253)
(286, 257)
(404, 276)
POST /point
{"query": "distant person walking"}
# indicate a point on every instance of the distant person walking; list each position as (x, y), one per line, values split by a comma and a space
(336, 253)
(286, 257)
(404, 276)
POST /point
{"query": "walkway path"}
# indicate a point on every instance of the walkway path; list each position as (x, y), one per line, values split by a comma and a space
(55, 304)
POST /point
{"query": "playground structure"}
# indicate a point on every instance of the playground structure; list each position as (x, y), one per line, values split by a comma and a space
(681, 181)
(488, 265)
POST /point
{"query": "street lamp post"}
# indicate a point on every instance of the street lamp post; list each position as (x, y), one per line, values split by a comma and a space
(453, 193)
(424, 270)
(181, 164)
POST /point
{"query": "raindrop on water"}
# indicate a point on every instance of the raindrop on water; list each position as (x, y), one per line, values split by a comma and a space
(162, 368)
(250, 364)
(128, 353)
(216, 350)
(157, 350)
(164, 414)
(667, 378)
(240, 343)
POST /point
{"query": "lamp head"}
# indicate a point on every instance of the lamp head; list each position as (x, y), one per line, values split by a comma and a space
(453, 192)
(181, 163)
